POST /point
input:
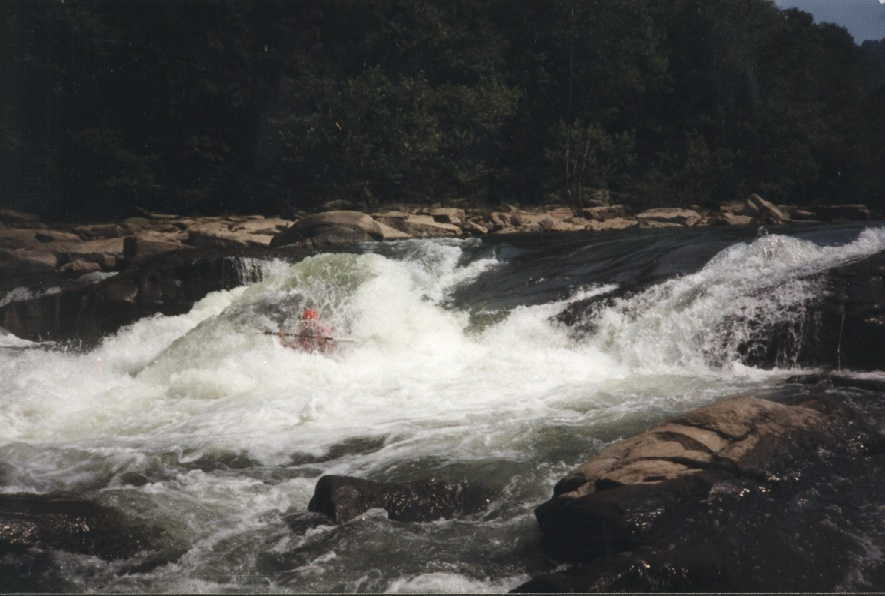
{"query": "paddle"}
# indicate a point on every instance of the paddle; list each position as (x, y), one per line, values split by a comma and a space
(307, 336)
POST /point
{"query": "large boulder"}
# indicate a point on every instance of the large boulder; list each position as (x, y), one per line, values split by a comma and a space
(744, 495)
(328, 229)
(668, 217)
(34, 527)
(342, 498)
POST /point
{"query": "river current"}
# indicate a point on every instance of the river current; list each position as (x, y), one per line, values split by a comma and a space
(451, 365)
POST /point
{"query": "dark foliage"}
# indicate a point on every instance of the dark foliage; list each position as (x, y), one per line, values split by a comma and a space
(272, 105)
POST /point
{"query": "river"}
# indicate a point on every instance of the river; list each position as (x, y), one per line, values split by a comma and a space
(452, 365)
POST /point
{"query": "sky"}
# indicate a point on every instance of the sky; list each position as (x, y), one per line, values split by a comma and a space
(864, 19)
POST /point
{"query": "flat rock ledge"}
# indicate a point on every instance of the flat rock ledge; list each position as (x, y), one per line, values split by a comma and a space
(736, 496)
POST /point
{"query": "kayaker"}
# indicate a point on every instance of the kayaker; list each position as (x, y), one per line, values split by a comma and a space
(310, 335)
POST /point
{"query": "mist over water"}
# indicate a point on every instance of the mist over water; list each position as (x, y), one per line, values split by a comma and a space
(229, 429)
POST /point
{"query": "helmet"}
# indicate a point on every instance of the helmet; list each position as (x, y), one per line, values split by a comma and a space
(310, 314)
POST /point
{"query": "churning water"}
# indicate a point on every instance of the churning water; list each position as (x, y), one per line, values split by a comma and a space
(451, 365)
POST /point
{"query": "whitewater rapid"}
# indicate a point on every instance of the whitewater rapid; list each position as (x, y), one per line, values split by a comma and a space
(419, 385)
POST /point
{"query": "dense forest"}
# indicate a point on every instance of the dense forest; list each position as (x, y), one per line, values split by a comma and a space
(210, 106)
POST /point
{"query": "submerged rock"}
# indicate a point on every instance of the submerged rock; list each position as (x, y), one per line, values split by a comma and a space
(342, 498)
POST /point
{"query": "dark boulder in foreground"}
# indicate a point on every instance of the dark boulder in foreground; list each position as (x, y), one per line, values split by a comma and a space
(744, 495)
(343, 498)
(69, 524)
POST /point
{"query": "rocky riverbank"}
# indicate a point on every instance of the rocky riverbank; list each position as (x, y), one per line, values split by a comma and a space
(37, 254)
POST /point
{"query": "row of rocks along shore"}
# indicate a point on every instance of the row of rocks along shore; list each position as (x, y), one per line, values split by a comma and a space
(29, 245)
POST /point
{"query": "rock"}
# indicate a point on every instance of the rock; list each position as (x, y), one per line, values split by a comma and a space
(421, 226)
(343, 498)
(69, 524)
(225, 234)
(11, 216)
(724, 498)
(449, 215)
(561, 213)
(332, 228)
(733, 219)
(844, 326)
(26, 260)
(842, 212)
(475, 228)
(766, 211)
(80, 266)
(149, 244)
(98, 231)
(47, 235)
(391, 233)
(737, 208)
(168, 284)
(604, 213)
(615, 223)
(668, 217)
(16, 238)
(107, 246)
(736, 435)
(499, 222)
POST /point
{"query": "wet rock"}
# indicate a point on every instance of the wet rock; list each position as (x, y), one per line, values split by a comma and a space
(610, 502)
(744, 495)
(844, 327)
(168, 284)
(668, 217)
(64, 523)
(343, 498)
(332, 228)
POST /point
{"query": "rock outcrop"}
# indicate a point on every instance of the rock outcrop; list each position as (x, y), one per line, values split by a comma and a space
(844, 327)
(342, 498)
(731, 497)
(329, 229)
(666, 217)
